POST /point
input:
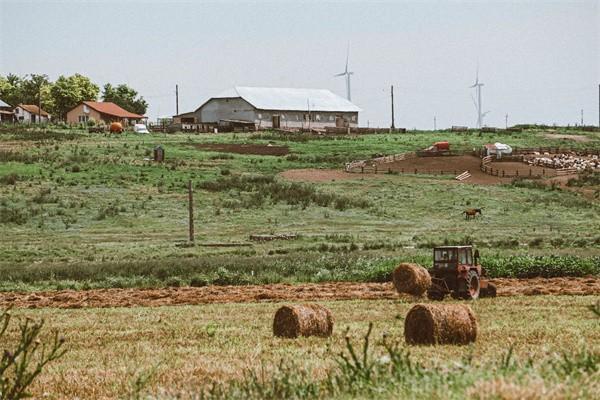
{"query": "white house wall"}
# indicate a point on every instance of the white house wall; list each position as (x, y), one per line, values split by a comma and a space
(19, 112)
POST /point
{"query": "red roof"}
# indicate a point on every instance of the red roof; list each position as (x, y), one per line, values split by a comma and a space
(33, 109)
(111, 109)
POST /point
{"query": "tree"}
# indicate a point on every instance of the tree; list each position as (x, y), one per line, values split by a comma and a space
(10, 89)
(125, 97)
(68, 92)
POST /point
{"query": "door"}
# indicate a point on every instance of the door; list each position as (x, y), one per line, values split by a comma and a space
(276, 119)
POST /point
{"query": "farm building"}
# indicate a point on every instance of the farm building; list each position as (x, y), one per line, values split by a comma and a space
(30, 113)
(106, 112)
(262, 107)
(7, 114)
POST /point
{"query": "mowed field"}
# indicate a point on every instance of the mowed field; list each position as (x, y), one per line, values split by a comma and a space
(181, 351)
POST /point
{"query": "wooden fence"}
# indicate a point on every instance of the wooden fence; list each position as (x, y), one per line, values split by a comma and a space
(526, 172)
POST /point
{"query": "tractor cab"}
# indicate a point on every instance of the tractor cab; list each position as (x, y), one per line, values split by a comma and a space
(456, 271)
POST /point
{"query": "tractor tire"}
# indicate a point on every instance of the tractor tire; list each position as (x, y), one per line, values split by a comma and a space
(436, 296)
(472, 286)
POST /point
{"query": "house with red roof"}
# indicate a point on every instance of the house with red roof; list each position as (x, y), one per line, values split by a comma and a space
(98, 111)
(30, 113)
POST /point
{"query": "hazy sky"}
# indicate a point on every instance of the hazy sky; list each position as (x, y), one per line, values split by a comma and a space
(539, 60)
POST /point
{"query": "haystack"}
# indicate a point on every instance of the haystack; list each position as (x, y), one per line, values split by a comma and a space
(303, 320)
(440, 324)
(411, 278)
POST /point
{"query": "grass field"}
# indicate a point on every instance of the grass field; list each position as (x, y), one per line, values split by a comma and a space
(183, 350)
(73, 201)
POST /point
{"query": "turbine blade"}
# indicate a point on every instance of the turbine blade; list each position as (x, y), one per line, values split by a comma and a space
(342, 74)
(347, 55)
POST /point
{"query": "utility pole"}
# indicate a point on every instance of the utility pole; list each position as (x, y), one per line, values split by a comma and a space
(393, 127)
(599, 106)
(40, 105)
(582, 117)
(506, 121)
(191, 211)
(176, 99)
(434, 123)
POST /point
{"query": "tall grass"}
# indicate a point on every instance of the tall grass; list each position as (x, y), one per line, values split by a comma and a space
(230, 269)
(382, 369)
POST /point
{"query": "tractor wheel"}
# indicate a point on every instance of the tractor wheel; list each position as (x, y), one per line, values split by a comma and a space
(472, 286)
(436, 296)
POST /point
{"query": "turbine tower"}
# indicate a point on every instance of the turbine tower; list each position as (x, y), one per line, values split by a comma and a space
(347, 74)
(478, 105)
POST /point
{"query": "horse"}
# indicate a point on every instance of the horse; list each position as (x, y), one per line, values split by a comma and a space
(472, 212)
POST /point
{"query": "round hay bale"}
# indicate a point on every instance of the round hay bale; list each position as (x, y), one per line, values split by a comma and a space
(411, 278)
(303, 320)
(440, 324)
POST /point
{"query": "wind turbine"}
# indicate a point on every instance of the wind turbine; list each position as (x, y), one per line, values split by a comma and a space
(347, 74)
(478, 105)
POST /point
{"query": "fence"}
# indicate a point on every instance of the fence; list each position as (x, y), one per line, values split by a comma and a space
(394, 170)
(526, 172)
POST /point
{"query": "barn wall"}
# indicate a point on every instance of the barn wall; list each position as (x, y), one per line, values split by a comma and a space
(218, 109)
(297, 119)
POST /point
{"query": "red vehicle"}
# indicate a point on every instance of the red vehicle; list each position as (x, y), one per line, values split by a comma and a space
(456, 271)
(436, 149)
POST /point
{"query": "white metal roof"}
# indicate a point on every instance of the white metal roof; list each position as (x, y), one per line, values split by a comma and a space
(290, 99)
(3, 104)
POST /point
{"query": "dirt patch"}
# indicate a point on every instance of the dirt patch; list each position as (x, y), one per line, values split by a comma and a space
(575, 138)
(257, 149)
(275, 293)
(321, 175)
(453, 165)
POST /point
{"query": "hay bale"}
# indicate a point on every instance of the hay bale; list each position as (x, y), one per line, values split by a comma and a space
(411, 278)
(303, 320)
(440, 324)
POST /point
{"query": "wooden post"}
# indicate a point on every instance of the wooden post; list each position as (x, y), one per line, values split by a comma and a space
(191, 211)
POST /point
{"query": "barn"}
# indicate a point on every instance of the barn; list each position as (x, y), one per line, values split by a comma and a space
(277, 108)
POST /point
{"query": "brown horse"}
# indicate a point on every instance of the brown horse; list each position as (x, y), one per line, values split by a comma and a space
(472, 212)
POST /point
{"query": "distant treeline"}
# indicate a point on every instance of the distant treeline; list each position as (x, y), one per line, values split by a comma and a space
(65, 93)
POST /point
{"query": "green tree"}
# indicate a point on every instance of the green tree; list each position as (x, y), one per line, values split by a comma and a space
(68, 92)
(10, 89)
(125, 97)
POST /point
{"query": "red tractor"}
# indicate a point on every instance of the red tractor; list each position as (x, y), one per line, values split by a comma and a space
(456, 271)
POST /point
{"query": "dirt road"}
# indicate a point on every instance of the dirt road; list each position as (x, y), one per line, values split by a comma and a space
(275, 292)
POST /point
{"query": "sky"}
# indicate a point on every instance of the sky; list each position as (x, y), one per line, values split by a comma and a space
(539, 60)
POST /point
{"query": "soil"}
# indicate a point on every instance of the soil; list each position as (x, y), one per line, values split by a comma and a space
(258, 149)
(274, 293)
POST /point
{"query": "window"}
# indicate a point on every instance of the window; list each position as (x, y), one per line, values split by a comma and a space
(282, 116)
(318, 117)
(354, 118)
(83, 118)
(462, 256)
(331, 118)
(259, 116)
(297, 117)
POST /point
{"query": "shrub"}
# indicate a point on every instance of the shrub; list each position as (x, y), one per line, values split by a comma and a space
(10, 179)
(24, 361)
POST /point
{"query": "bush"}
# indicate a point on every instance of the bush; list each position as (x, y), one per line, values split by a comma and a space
(10, 179)
(199, 281)
(22, 362)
